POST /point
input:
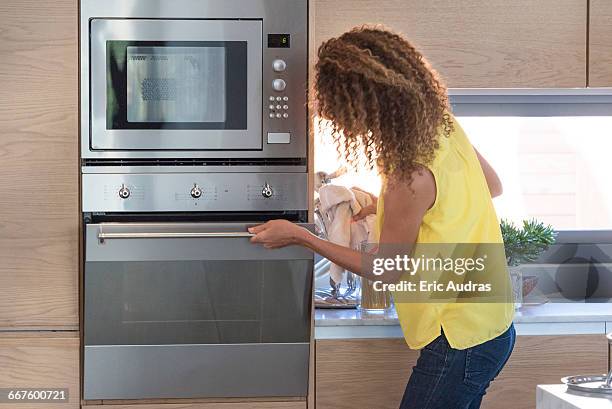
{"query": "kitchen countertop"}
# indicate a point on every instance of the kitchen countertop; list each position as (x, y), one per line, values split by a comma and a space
(545, 319)
(557, 397)
(550, 312)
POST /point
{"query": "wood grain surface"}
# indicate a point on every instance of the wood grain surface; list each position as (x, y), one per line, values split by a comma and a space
(600, 44)
(362, 373)
(40, 361)
(208, 405)
(38, 164)
(545, 360)
(374, 372)
(478, 43)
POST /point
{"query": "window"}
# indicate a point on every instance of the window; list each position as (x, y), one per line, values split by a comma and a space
(556, 169)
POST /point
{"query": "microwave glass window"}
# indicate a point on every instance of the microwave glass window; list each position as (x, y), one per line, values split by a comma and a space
(176, 85)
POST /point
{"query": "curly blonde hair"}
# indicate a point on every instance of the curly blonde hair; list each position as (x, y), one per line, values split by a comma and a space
(385, 103)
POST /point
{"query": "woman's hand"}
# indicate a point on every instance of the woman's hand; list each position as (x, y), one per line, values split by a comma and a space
(278, 233)
(367, 210)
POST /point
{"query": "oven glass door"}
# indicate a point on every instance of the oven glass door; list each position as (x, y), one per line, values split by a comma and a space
(176, 85)
(193, 310)
(169, 284)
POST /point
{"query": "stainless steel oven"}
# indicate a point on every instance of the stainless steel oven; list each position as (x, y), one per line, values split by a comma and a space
(177, 302)
(192, 78)
(193, 310)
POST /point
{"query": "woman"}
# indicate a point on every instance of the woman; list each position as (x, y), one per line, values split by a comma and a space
(388, 108)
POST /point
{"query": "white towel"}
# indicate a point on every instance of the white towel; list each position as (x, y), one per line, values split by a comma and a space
(338, 205)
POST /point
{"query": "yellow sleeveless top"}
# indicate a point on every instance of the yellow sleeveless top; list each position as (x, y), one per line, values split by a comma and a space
(463, 212)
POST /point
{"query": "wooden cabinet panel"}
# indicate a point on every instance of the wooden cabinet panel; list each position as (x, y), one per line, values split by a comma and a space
(544, 360)
(374, 372)
(364, 373)
(600, 43)
(39, 164)
(206, 405)
(478, 43)
(40, 361)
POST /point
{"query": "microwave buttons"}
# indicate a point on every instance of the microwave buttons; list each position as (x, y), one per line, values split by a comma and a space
(277, 109)
(279, 85)
(279, 65)
(124, 192)
(279, 137)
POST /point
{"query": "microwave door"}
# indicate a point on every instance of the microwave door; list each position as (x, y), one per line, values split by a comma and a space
(197, 88)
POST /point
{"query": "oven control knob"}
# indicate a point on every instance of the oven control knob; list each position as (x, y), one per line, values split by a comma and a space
(267, 191)
(279, 65)
(196, 192)
(279, 85)
(124, 192)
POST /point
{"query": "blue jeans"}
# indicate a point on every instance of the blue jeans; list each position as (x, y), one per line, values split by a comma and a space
(447, 378)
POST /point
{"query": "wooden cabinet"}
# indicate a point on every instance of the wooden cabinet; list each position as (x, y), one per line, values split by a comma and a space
(361, 373)
(374, 372)
(40, 361)
(544, 360)
(600, 43)
(204, 405)
(39, 164)
(478, 43)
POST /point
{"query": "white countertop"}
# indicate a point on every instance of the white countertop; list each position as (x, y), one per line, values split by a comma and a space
(557, 397)
(550, 312)
(545, 319)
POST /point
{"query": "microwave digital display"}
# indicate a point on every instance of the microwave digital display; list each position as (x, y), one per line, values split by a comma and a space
(279, 40)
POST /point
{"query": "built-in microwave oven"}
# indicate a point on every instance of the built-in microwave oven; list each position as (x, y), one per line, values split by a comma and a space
(194, 79)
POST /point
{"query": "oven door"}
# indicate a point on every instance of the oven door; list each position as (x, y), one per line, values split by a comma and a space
(176, 84)
(191, 310)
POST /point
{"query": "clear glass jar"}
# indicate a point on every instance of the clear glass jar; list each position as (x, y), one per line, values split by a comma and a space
(370, 297)
(516, 278)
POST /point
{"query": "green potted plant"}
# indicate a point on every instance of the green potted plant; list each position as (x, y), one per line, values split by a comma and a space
(524, 245)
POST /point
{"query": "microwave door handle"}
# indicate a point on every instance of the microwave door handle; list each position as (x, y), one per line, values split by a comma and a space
(170, 235)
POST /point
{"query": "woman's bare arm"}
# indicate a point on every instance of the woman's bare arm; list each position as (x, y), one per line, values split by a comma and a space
(404, 208)
(495, 185)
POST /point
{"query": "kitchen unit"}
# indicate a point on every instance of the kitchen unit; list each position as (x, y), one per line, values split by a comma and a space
(39, 308)
(193, 128)
(39, 195)
(600, 36)
(363, 357)
(478, 43)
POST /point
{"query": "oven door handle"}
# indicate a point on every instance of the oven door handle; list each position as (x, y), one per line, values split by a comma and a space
(181, 241)
(171, 235)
